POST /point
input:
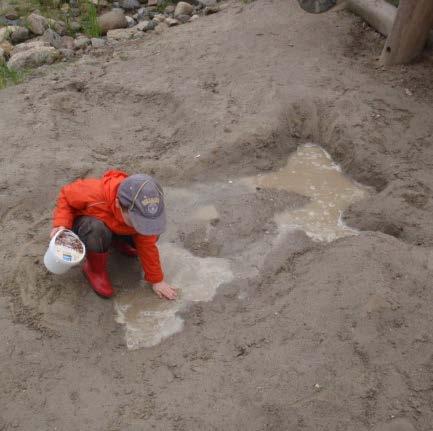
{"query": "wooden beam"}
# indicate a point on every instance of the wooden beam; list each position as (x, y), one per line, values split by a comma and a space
(378, 13)
(409, 32)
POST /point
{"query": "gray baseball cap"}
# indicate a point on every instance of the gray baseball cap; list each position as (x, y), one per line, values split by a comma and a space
(143, 197)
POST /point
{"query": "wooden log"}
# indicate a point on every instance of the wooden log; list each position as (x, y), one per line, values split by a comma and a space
(409, 33)
(378, 13)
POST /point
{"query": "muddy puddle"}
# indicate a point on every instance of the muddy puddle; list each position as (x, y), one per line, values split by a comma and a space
(309, 171)
(148, 319)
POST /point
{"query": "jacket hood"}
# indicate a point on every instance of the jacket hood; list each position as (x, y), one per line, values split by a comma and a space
(110, 183)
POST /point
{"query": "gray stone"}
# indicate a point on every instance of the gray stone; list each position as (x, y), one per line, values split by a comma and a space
(208, 10)
(208, 2)
(159, 18)
(33, 57)
(112, 20)
(129, 4)
(20, 34)
(151, 25)
(194, 18)
(171, 22)
(123, 34)
(58, 26)
(170, 9)
(67, 53)
(183, 18)
(183, 8)
(12, 16)
(37, 24)
(98, 42)
(53, 38)
(68, 42)
(81, 42)
(75, 26)
(142, 25)
(33, 44)
(131, 21)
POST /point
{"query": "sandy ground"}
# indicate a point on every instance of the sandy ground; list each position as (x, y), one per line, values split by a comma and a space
(307, 335)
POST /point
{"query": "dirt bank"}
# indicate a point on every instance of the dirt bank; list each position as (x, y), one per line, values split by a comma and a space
(307, 336)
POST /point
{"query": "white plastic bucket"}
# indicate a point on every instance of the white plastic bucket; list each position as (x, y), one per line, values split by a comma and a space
(64, 251)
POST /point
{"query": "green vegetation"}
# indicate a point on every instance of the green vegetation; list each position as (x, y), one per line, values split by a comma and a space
(9, 76)
(89, 21)
(48, 8)
(160, 8)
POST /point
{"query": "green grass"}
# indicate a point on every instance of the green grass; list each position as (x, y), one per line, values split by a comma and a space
(9, 76)
(89, 21)
(161, 7)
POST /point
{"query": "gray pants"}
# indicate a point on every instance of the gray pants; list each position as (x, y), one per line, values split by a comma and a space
(95, 234)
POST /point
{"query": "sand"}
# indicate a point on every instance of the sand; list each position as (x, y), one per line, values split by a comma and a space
(307, 335)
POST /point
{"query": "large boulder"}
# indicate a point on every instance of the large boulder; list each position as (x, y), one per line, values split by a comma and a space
(112, 20)
(37, 24)
(33, 57)
(183, 8)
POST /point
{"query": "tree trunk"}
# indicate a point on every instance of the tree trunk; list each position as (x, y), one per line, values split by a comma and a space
(409, 32)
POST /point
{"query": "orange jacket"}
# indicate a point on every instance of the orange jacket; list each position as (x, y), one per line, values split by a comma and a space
(96, 198)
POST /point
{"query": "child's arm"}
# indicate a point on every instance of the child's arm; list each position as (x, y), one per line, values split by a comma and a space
(149, 256)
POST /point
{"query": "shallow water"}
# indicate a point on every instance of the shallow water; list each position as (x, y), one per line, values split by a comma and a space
(311, 172)
(148, 319)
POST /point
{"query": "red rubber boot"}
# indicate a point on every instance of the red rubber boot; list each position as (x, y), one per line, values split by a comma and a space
(95, 269)
(125, 248)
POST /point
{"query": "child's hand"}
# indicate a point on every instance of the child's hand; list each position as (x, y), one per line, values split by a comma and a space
(163, 290)
(55, 230)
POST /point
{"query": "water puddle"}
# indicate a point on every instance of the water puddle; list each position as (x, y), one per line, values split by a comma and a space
(311, 172)
(148, 319)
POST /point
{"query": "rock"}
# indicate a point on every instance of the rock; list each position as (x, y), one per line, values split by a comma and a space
(183, 8)
(7, 48)
(142, 25)
(205, 3)
(81, 42)
(129, 4)
(67, 53)
(12, 16)
(208, 10)
(159, 18)
(5, 33)
(170, 9)
(19, 34)
(58, 26)
(142, 13)
(152, 3)
(399, 424)
(33, 57)
(52, 38)
(23, 47)
(119, 35)
(68, 42)
(151, 25)
(112, 20)
(183, 18)
(75, 26)
(171, 22)
(194, 18)
(37, 24)
(98, 42)
(131, 22)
